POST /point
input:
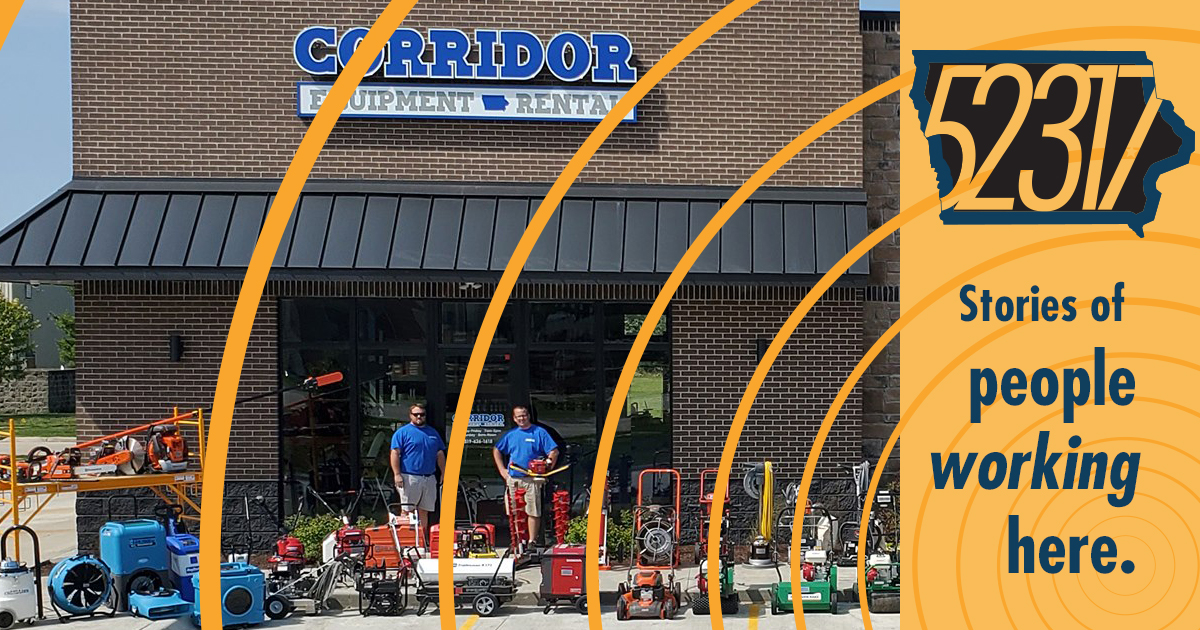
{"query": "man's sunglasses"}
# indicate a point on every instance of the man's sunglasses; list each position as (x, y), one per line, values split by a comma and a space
(416, 415)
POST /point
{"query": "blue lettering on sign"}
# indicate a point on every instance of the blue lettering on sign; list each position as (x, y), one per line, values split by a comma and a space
(503, 54)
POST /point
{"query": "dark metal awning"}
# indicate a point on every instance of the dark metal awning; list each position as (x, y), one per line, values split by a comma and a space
(202, 228)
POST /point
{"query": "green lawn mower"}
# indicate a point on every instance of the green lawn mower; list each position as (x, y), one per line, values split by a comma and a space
(729, 596)
(818, 590)
(883, 584)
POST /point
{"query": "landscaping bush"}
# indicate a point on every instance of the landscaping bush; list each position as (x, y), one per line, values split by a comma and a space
(311, 530)
(619, 538)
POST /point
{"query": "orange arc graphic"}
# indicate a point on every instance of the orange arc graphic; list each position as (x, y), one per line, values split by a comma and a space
(504, 289)
(8, 16)
(221, 420)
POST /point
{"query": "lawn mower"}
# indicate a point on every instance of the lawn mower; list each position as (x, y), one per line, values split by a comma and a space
(759, 483)
(646, 592)
(485, 584)
(883, 584)
(729, 597)
(818, 584)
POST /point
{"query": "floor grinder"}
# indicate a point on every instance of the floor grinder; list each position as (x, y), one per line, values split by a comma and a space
(647, 592)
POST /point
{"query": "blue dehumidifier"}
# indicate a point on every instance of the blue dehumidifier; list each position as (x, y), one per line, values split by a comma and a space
(185, 563)
(242, 590)
(136, 552)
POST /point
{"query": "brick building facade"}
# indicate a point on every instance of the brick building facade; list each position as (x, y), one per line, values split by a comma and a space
(181, 135)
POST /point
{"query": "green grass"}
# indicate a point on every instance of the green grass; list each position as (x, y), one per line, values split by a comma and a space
(49, 425)
(646, 390)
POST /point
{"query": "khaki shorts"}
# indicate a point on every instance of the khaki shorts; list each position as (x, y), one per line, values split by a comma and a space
(533, 494)
(419, 491)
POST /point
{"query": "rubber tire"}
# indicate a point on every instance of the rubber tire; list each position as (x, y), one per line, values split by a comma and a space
(7, 620)
(774, 606)
(581, 604)
(833, 602)
(622, 609)
(700, 605)
(854, 592)
(730, 605)
(277, 607)
(485, 604)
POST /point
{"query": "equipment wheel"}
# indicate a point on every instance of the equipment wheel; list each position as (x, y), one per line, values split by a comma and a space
(145, 583)
(833, 602)
(774, 606)
(854, 592)
(485, 604)
(581, 604)
(700, 605)
(730, 605)
(277, 607)
(622, 609)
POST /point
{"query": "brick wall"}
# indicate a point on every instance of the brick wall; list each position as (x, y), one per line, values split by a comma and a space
(166, 88)
(124, 377)
(714, 347)
(881, 179)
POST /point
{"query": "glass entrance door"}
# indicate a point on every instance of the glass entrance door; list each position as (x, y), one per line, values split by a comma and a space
(482, 492)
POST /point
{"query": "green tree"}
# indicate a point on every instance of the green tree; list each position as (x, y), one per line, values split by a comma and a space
(16, 344)
(65, 322)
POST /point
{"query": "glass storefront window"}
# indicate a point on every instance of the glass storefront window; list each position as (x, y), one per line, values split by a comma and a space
(562, 323)
(483, 489)
(309, 320)
(391, 321)
(562, 388)
(461, 322)
(622, 322)
(315, 431)
(643, 437)
(390, 381)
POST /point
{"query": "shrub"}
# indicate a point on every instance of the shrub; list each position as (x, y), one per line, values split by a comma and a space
(312, 530)
(619, 536)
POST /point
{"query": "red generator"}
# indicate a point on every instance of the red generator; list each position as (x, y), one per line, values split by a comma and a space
(562, 578)
(460, 532)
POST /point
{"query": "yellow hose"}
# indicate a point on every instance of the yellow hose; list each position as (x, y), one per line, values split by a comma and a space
(766, 502)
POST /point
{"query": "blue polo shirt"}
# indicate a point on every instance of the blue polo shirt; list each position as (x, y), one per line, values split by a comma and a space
(418, 448)
(522, 445)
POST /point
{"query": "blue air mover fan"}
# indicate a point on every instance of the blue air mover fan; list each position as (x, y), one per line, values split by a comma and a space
(80, 585)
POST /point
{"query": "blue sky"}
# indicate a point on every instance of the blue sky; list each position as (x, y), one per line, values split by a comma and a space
(35, 134)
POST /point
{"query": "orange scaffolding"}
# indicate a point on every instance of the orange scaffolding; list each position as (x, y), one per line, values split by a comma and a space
(26, 499)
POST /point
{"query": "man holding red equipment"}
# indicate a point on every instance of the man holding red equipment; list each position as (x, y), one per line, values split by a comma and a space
(522, 445)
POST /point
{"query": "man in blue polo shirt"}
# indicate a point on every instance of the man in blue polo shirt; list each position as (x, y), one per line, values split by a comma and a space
(418, 451)
(526, 442)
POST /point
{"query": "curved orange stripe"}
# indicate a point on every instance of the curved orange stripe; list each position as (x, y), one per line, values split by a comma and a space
(213, 488)
(504, 290)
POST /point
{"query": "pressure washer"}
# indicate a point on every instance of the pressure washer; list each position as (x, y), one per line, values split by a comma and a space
(647, 592)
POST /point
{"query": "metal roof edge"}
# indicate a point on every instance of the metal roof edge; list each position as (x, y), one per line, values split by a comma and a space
(466, 189)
